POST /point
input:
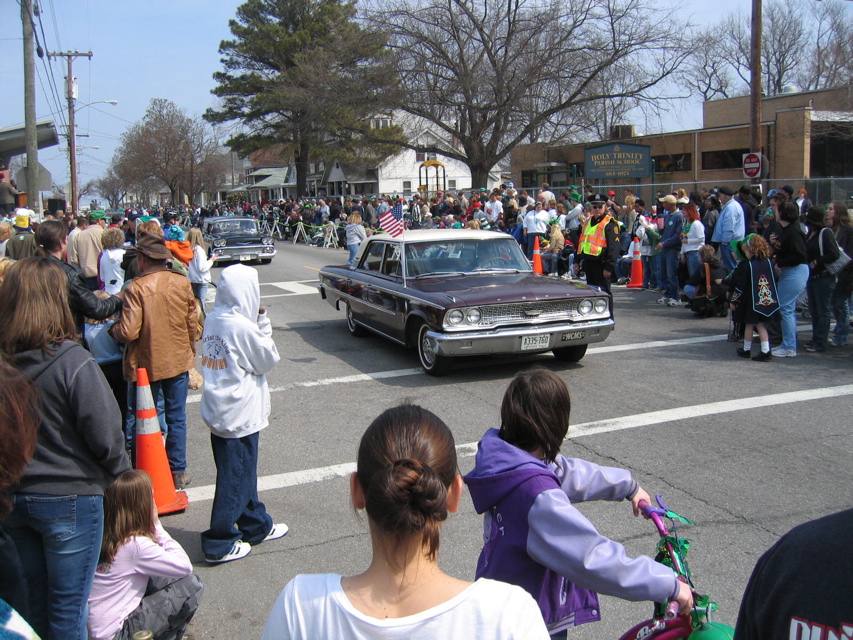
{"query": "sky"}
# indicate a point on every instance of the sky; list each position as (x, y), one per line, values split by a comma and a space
(158, 49)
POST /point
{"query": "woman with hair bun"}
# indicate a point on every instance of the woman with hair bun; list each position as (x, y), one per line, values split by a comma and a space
(407, 480)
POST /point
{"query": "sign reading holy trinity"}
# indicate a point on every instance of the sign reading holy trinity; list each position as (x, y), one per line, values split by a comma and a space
(618, 160)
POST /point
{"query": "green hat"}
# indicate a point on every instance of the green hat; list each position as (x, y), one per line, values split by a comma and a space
(98, 214)
(574, 195)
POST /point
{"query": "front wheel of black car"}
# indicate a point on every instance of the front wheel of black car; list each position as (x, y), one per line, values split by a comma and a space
(433, 363)
(354, 328)
(570, 354)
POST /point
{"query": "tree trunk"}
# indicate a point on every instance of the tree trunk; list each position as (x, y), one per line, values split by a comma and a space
(479, 175)
(302, 169)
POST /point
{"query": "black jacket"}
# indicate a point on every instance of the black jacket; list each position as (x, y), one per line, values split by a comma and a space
(83, 302)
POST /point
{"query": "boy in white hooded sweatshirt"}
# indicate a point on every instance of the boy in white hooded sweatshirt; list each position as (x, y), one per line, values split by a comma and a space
(237, 352)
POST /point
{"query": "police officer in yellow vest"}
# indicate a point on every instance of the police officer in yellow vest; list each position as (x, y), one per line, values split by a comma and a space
(598, 247)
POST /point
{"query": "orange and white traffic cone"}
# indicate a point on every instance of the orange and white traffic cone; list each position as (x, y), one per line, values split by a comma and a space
(537, 256)
(636, 267)
(151, 452)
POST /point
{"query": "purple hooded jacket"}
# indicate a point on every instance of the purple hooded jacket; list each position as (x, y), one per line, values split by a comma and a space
(536, 539)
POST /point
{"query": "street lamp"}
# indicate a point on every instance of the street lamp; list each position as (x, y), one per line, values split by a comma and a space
(72, 143)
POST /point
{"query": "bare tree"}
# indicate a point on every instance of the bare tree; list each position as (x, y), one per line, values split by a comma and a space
(707, 69)
(783, 41)
(111, 186)
(828, 59)
(491, 74)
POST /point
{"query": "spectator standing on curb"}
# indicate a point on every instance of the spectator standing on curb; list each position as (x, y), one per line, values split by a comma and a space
(237, 352)
(22, 244)
(159, 324)
(199, 267)
(58, 513)
(670, 248)
(729, 226)
(838, 219)
(789, 250)
(89, 244)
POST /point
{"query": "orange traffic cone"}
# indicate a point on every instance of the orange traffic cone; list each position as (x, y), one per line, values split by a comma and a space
(151, 452)
(537, 256)
(636, 267)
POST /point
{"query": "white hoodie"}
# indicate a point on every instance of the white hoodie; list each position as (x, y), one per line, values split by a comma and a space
(237, 352)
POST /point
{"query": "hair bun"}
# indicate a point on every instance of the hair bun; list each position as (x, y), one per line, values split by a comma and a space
(406, 497)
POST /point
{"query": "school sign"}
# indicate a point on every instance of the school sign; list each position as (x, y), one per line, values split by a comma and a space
(618, 160)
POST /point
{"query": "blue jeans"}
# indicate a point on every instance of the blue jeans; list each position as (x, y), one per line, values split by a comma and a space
(59, 541)
(791, 284)
(549, 262)
(650, 272)
(841, 311)
(175, 399)
(820, 294)
(353, 249)
(130, 417)
(670, 273)
(200, 292)
(694, 262)
(531, 243)
(236, 497)
(727, 257)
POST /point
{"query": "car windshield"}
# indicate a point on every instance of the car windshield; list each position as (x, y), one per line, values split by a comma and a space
(439, 257)
(235, 226)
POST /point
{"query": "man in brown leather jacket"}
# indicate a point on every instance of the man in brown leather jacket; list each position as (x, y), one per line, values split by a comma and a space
(159, 325)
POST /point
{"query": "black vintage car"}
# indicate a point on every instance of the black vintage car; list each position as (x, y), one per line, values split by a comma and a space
(234, 238)
(452, 293)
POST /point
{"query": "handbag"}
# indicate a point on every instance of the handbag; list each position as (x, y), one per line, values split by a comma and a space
(708, 303)
(839, 263)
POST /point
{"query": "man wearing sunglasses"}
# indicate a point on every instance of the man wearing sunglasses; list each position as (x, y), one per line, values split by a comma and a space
(598, 247)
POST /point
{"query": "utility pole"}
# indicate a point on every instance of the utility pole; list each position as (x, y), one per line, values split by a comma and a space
(755, 85)
(31, 130)
(72, 136)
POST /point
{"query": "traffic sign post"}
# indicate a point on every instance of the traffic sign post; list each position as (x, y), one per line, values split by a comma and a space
(751, 165)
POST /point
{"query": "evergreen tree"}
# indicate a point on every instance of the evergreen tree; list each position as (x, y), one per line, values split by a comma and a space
(304, 78)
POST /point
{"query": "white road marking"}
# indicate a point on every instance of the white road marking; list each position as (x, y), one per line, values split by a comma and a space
(295, 288)
(319, 474)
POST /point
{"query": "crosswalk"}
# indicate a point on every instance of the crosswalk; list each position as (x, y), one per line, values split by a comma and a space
(294, 288)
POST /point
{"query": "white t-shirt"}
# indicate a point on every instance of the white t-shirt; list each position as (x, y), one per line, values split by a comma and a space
(315, 606)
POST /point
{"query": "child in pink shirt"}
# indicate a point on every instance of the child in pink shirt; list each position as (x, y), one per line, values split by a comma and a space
(144, 578)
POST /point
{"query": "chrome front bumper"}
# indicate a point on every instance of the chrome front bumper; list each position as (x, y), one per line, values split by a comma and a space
(261, 252)
(509, 341)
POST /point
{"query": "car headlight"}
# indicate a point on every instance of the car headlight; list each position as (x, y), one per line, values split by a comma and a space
(473, 316)
(600, 305)
(585, 307)
(454, 316)
(219, 243)
(267, 240)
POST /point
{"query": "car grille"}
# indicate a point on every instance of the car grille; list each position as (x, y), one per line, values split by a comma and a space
(526, 312)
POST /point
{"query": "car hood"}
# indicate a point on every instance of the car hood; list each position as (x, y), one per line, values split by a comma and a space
(493, 288)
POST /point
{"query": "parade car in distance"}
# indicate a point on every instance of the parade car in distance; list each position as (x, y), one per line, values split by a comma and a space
(234, 238)
(453, 293)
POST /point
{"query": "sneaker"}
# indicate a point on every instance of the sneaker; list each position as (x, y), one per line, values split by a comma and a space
(833, 343)
(663, 300)
(672, 302)
(278, 531)
(181, 480)
(813, 349)
(622, 281)
(779, 352)
(239, 550)
(743, 353)
(763, 356)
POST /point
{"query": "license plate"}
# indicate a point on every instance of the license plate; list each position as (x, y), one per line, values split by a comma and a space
(535, 342)
(246, 258)
(569, 336)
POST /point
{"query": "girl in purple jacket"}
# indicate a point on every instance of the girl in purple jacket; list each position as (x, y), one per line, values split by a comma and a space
(534, 536)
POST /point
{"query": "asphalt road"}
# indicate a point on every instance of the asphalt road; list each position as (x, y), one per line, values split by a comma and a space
(744, 449)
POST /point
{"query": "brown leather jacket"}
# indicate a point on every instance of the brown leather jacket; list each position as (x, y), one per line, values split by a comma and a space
(159, 324)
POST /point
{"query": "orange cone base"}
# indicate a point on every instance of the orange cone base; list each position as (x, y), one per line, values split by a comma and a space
(181, 504)
(537, 257)
(636, 273)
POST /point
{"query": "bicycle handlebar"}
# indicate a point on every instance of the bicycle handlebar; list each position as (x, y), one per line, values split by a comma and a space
(655, 514)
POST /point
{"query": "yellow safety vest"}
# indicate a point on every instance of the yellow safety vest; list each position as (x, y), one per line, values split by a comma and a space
(592, 240)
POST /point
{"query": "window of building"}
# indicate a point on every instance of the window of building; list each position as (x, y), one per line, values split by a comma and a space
(726, 159)
(528, 179)
(380, 123)
(407, 187)
(673, 162)
(451, 184)
(420, 156)
(831, 153)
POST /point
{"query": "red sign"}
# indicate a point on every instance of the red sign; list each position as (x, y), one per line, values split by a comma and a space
(751, 165)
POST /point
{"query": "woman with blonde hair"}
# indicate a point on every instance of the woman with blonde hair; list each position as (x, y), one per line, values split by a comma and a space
(551, 254)
(355, 235)
(199, 266)
(57, 515)
(5, 234)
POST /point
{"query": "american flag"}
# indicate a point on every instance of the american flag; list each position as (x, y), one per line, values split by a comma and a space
(392, 221)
